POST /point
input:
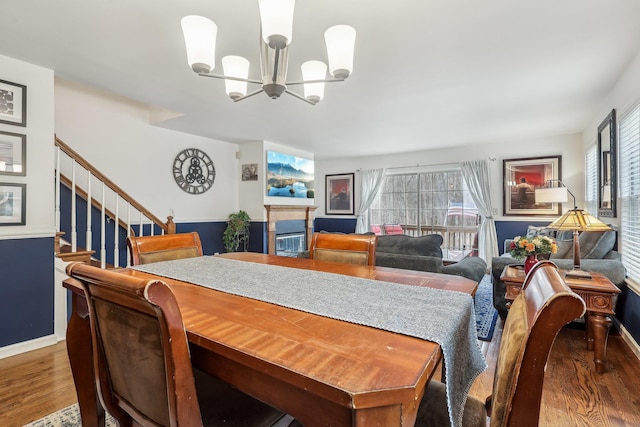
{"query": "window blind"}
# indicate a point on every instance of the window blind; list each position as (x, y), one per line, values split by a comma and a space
(629, 143)
(591, 180)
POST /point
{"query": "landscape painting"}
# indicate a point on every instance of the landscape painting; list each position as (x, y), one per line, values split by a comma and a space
(289, 176)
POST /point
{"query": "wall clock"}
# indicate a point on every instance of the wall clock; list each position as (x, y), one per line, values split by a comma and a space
(193, 171)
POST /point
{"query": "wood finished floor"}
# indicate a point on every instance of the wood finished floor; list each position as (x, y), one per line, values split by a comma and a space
(39, 382)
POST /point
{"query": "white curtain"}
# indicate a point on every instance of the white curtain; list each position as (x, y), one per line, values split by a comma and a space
(476, 176)
(370, 181)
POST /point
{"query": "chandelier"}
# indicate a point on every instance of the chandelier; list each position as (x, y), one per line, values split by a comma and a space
(276, 18)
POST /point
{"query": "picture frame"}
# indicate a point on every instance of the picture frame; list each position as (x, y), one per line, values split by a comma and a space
(13, 154)
(520, 179)
(607, 152)
(13, 103)
(13, 203)
(339, 190)
(250, 172)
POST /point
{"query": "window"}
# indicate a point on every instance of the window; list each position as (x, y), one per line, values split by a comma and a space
(429, 202)
(629, 141)
(591, 180)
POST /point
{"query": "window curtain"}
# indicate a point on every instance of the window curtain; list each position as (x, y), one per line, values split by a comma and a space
(370, 182)
(476, 176)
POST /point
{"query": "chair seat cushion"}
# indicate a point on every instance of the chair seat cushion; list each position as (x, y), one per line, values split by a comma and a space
(433, 410)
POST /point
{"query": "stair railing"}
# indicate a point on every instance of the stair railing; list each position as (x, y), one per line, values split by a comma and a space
(123, 209)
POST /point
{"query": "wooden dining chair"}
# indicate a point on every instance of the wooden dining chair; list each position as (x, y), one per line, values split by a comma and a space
(347, 248)
(543, 307)
(165, 247)
(142, 363)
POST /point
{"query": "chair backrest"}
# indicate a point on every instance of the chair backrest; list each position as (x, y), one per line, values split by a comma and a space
(164, 247)
(543, 307)
(140, 351)
(346, 248)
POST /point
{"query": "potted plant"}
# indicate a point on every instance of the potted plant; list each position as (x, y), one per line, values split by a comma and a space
(237, 231)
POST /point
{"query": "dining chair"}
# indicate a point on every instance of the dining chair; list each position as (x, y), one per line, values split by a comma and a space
(165, 247)
(142, 363)
(346, 248)
(543, 307)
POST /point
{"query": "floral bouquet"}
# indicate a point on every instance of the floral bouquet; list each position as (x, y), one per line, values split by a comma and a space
(521, 247)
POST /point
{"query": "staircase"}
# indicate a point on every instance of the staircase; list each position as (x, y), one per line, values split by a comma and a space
(94, 216)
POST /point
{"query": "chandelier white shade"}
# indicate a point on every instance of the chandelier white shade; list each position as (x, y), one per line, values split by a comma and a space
(276, 18)
(200, 38)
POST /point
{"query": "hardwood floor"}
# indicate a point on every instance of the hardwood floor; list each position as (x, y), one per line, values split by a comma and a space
(39, 382)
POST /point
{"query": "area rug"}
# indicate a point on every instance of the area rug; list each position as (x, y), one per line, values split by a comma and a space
(67, 417)
(486, 314)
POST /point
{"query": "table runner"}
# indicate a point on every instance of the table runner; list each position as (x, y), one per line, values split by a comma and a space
(445, 317)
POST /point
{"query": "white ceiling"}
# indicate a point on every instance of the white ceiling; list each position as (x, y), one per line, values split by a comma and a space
(427, 73)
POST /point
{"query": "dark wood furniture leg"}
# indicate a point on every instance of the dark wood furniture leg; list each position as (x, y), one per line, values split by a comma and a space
(80, 357)
(598, 325)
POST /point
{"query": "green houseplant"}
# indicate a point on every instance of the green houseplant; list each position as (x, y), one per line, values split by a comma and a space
(237, 231)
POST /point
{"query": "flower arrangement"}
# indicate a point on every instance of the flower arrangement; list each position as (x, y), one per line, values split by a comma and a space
(521, 247)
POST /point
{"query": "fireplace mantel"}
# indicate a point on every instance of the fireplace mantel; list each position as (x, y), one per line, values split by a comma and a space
(277, 213)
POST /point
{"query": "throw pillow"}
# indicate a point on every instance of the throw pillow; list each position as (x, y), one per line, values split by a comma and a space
(533, 231)
(596, 244)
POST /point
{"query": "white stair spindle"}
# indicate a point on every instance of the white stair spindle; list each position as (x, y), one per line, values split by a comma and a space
(128, 233)
(74, 235)
(141, 231)
(103, 248)
(89, 234)
(116, 237)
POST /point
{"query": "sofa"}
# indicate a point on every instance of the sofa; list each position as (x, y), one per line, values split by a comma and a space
(424, 253)
(597, 254)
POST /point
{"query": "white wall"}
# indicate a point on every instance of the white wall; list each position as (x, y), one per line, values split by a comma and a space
(568, 146)
(40, 136)
(115, 135)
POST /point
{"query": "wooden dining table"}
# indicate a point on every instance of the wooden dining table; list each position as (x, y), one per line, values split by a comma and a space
(322, 371)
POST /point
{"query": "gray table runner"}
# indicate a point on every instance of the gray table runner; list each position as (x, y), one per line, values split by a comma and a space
(445, 317)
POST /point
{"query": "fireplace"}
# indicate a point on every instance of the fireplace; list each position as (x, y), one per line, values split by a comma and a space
(286, 215)
(290, 244)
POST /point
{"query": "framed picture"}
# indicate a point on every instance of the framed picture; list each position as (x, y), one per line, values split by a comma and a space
(13, 203)
(13, 154)
(520, 179)
(339, 194)
(13, 103)
(289, 176)
(250, 172)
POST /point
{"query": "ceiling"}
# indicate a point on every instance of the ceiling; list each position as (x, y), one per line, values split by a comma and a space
(427, 73)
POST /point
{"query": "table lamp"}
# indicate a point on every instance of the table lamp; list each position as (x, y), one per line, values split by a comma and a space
(575, 220)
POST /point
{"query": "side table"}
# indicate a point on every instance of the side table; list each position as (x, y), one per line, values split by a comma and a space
(597, 294)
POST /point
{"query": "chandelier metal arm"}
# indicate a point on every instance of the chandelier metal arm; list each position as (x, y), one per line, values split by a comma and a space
(240, 79)
(250, 94)
(295, 95)
(301, 82)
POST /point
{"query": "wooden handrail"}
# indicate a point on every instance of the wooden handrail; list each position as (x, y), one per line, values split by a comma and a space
(168, 227)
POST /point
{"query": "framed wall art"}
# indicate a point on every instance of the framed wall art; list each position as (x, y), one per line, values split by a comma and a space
(13, 103)
(250, 172)
(520, 179)
(13, 203)
(339, 189)
(289, 176)
(13, 154)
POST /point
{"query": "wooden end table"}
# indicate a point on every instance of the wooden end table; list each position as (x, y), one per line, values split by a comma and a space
(597, 294)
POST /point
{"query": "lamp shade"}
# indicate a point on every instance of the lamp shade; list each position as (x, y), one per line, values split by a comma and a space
(200, 39)
(235, 66)
(314, 70)
(340, 40)
(276, 17)
(578, 220)
(551, 195)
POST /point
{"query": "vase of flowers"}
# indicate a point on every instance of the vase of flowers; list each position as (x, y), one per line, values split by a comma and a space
(532, 249)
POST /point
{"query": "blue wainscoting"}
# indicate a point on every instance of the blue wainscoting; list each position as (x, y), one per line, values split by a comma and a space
(628, 312)
(341, 225)
(27, 286)
(509, 229)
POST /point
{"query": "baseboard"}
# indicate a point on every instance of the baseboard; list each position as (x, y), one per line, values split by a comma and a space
(25, 346)
(626, 336)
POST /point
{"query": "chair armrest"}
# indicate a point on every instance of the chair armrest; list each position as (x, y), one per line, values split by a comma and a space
(473, 268)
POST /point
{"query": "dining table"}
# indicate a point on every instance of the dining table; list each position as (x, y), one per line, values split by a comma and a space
(337, 365)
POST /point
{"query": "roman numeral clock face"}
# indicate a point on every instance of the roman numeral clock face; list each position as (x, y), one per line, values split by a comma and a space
(193, 171)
